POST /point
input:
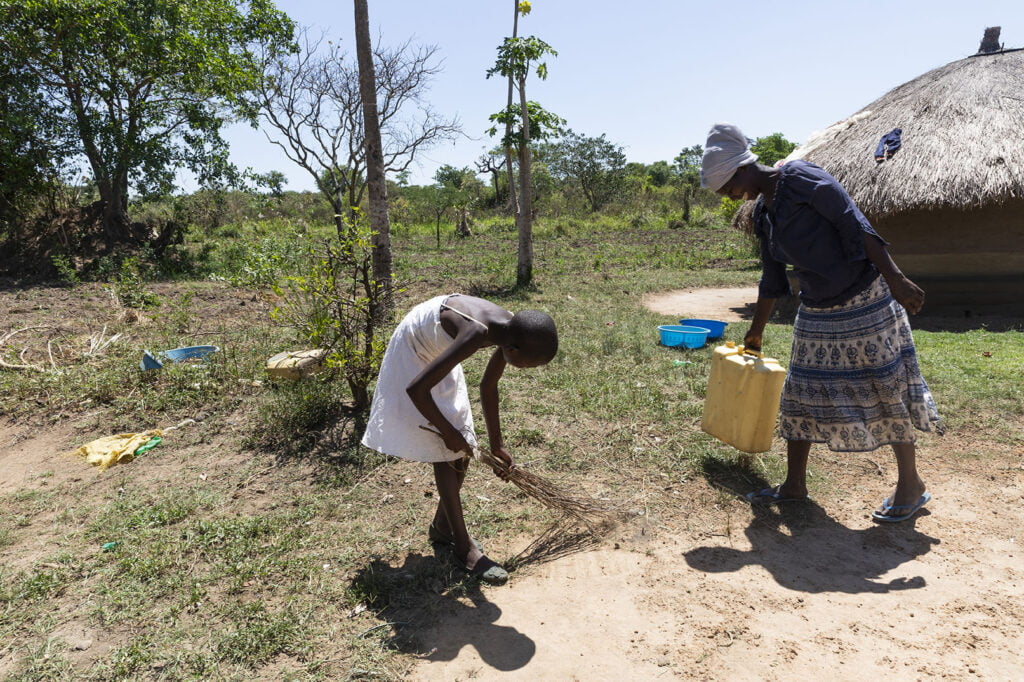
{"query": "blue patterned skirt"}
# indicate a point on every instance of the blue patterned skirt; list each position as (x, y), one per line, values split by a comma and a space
(853, 381)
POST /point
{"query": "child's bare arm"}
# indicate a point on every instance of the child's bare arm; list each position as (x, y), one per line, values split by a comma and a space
(489, 404)
(489, 398)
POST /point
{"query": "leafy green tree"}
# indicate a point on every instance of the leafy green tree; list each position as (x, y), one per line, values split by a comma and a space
(143, 87)
(687, 164)
(461, 189)
(333, 306)
(517, 58)
(687, 167)
(660, 173)
(596, 165)
(29, 143)
(772, 148)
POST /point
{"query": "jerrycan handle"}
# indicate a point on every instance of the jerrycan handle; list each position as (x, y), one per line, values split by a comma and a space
(741, 350)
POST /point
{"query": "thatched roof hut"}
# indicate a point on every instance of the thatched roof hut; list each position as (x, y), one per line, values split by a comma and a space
(962, 140)
(951, 200)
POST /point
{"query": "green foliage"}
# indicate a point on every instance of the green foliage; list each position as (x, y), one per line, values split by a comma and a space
(141, 88)
(129, 286)
(595, 164)
(255, 254)
(727, 208)
(30, 151)
(517, 55)
(543, 124)
(334, 306)
(772, 148)
(687, 164)
(66, 271)
(660, 173)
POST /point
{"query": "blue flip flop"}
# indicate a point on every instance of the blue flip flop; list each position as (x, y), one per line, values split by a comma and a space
(904, 511)
(772, 496)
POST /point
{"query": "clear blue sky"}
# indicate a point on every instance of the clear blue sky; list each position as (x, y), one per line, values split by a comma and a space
(653, 75)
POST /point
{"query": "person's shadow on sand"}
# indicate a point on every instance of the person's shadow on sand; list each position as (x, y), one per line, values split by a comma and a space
(436, 611)
(819, 554)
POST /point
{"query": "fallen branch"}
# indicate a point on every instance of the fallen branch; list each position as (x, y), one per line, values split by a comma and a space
(25, 364)
(97, 342)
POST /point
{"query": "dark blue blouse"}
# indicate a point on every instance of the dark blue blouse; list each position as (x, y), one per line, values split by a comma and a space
(814, 226)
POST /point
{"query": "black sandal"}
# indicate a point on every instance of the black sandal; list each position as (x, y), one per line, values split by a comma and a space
(489, 571)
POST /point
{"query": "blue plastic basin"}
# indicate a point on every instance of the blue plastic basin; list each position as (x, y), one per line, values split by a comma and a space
(156, 360)
(189, 352)
(715, 328)
(686, 336)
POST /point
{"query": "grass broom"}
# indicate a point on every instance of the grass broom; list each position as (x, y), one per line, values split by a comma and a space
(588, 511)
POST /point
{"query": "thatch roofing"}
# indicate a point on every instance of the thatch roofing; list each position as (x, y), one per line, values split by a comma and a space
(963, 140)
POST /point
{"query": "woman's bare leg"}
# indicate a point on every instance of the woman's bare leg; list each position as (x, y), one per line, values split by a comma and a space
(909, 484)
(795, 485)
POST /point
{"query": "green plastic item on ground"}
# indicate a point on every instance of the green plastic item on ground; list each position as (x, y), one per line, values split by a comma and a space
(148, 445)
(107, 546)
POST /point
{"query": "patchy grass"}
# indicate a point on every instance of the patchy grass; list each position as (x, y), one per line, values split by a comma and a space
(264, 542)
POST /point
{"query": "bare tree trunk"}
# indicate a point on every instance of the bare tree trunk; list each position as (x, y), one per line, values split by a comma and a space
(524, 218)
(376, 186)
(513, 203)
(462, 228)
(339, 217)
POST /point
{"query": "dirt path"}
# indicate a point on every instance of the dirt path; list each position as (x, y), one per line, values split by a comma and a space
(728, 305)
(766, 593)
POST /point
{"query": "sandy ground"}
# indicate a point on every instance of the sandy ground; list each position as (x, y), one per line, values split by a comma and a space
(727, 305)
(713, 589)
(804, 590)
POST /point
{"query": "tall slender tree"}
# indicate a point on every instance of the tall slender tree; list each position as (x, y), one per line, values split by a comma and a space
(513, 200)
(517, 57)
(376, 185)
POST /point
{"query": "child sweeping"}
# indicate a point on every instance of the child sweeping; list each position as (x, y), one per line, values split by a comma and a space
(421, 384)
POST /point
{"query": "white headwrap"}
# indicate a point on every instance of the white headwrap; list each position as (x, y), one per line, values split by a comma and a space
(726, 150)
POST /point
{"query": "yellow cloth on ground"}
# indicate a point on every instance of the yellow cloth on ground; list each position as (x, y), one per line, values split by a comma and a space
(110, 450)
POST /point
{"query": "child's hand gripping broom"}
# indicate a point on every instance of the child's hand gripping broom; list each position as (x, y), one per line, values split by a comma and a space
(587, 511)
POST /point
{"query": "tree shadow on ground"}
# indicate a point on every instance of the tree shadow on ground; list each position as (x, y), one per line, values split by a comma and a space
(435, 610)
(806, 550)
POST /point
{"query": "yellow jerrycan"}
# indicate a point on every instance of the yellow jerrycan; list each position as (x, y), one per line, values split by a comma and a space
(742, 401)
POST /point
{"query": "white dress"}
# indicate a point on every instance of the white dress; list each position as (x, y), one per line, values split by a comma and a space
(394, 424)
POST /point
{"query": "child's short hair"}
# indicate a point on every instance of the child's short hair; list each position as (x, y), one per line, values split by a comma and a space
(535, 335)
